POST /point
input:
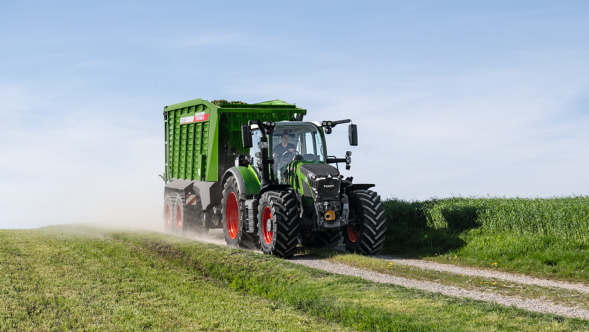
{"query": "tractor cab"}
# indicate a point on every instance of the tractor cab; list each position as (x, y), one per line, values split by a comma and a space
(295, 141)
(291, 141)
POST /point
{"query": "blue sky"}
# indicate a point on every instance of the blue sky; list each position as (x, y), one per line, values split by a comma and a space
(451, 97)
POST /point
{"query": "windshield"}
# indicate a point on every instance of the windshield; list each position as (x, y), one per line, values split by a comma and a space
(290, 139)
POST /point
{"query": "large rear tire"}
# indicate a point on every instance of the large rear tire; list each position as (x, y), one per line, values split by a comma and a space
(278, 223)
(234, 217)
(365, 235)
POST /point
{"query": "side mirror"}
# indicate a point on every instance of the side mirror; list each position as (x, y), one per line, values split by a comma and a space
(353, 134)
(246, 136)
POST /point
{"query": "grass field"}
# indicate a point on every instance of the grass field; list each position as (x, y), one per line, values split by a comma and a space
(68, 278)
(542, 236)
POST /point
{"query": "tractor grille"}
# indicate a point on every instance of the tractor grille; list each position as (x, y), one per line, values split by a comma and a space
(327, 188)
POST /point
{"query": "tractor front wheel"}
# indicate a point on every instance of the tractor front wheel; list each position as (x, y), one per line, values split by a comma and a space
(278, 224)
(365, 234)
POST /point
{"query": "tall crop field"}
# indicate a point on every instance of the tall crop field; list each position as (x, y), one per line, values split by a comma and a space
(549, 236)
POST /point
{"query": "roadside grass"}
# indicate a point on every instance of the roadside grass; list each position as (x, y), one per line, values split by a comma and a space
(497, 286)
(55, 279)
(546, 237)
(348, 300)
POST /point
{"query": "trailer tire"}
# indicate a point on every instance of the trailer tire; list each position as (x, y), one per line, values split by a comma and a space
(366, 235)
(184, 220)
(327, 239)
(278, 223)
(234, 217)
(168, 213)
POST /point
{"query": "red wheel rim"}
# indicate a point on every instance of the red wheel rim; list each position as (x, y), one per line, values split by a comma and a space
(168, 215)
(232, 216)
(265, 217)
(179, 216)
(352, 234)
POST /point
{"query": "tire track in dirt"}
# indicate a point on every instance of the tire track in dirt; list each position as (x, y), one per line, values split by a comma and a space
(527, 304)
(516, 278)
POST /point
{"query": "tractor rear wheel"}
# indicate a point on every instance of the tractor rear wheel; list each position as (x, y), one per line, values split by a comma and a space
(365, 234)
(234, 217)
(168, 213)
(278, 223)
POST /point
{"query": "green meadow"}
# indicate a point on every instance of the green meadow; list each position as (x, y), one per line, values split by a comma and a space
(67, 278)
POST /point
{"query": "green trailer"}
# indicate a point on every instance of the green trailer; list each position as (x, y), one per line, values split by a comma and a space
(263, 175)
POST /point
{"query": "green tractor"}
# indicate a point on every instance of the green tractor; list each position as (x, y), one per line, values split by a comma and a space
(264, 176)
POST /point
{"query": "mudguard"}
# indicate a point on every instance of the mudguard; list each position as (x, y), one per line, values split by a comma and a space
(208, 192)
(357, 186)
(246, 178)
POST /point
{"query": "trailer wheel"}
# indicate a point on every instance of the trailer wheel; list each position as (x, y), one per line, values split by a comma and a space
(327, 239)
(234, 217)
(278, 224)
(168, 213)
(365, 234)
(184, 217)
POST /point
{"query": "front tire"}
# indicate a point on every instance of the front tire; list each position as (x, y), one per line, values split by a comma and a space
(278, 223)
(365, 235)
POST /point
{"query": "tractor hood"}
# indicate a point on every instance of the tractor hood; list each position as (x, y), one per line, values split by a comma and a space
(319, 171)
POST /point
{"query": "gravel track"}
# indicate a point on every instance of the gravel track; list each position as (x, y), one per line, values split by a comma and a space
(520, 279)
(517, 278)
(528, 304)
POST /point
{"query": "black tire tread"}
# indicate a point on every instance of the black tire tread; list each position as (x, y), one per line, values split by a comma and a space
(286, 223)
(244, 240)
(373, 231)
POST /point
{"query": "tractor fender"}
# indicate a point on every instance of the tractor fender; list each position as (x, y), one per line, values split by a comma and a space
(274, 187)
(357, 186)
(247, 180)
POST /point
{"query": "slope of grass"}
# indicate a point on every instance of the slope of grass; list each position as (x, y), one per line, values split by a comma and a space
(547, 237)
(51, 280)
(350, 301)
(60, 278)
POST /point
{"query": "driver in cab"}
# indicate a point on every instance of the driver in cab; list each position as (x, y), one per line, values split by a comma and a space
(283, 147)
